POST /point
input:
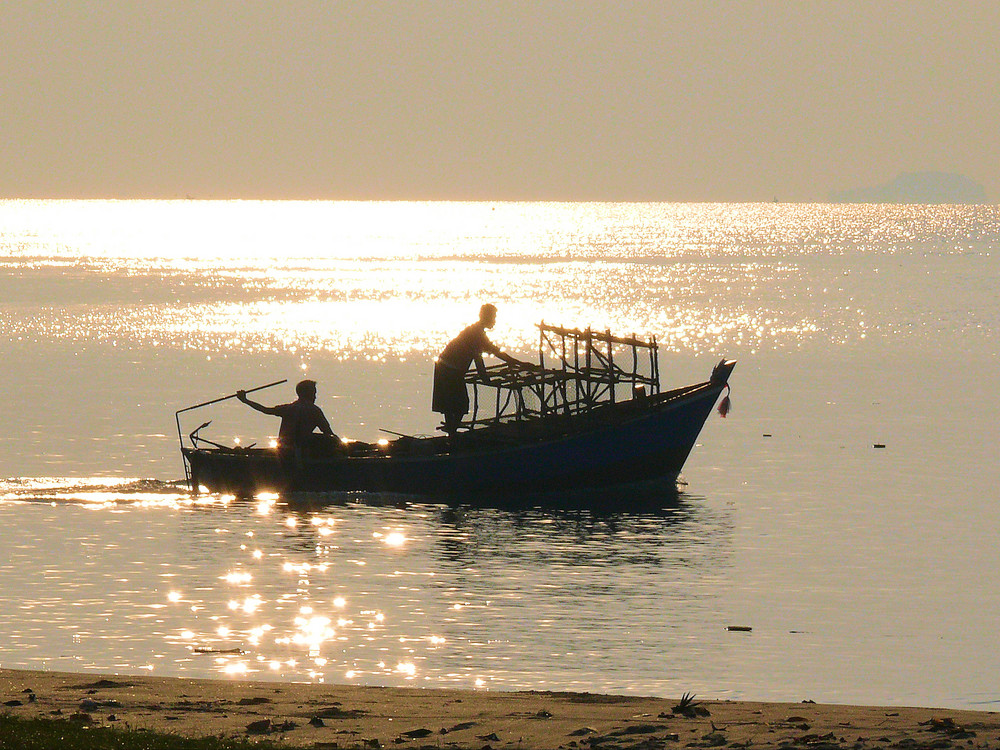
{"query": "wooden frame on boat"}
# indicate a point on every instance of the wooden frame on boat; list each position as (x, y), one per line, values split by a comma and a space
(590, 368)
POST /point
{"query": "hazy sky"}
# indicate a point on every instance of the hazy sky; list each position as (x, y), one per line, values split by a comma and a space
(576, 100)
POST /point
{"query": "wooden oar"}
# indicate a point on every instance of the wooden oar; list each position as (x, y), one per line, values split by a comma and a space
(232, 395)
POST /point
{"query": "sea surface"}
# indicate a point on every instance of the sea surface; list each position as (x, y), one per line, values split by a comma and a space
(845, 511)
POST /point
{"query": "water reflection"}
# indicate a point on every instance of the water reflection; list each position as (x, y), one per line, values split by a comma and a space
(386, 593)
(102, 492)
(377, 593)
(701, 277)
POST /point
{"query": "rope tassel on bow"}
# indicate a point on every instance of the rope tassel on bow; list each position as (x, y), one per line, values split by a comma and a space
(725, 405)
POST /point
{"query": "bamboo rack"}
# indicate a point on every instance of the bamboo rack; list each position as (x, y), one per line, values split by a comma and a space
(578, 370)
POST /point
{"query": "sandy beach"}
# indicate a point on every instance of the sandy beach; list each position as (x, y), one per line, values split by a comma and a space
(344, 716)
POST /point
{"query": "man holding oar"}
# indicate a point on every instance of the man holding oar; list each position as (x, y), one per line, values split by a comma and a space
(299, 419)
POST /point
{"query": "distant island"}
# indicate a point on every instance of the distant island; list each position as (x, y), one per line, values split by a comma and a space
(917, 187)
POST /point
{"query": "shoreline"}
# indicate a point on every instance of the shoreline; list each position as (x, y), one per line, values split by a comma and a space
(347, 716)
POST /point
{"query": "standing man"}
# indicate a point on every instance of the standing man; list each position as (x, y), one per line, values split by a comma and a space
(298, 419)
(450, 396)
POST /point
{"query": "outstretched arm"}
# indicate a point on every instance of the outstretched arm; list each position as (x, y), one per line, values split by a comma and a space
(242, 396)
(516, 362)
(493, 349)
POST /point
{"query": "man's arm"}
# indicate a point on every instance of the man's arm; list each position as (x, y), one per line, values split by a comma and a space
(324, 424)
(490, 348)
(513, 361)
(516, 362)
(272, 410)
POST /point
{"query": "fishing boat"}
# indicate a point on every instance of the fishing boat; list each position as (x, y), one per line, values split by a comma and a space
(593, 418)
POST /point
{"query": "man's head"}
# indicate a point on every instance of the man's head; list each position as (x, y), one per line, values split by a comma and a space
(488, 315)
(306, 390)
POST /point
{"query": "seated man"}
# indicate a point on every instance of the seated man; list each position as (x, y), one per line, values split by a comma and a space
(450, 397)
(298, 419)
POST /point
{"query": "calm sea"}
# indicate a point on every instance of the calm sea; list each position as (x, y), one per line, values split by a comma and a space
(867, 574)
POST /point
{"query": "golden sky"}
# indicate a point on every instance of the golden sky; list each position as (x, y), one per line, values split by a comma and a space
(646, 100)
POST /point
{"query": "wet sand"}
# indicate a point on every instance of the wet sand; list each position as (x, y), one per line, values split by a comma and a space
(344, 716)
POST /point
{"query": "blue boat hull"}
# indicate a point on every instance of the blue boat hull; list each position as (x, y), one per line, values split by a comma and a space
(631, 442)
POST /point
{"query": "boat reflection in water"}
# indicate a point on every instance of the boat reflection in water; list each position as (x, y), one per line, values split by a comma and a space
(657, 496)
